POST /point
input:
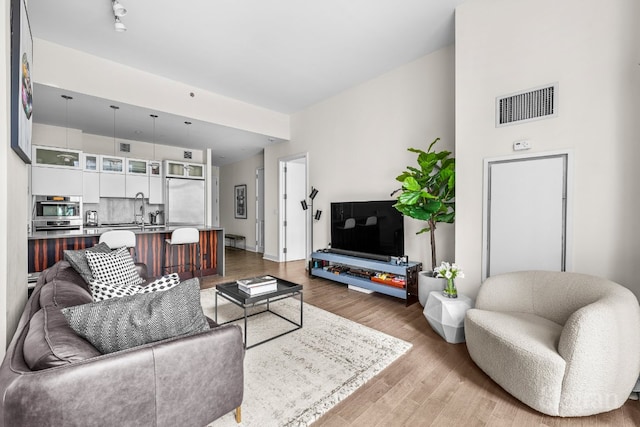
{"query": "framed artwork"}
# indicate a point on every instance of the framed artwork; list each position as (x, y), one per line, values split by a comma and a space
(241, 201)
(21, 84)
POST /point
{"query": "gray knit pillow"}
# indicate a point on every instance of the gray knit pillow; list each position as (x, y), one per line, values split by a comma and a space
(78, 259)
(121, 323)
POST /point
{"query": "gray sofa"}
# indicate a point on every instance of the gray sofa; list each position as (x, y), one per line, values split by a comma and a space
(566, 344)
(52, 377)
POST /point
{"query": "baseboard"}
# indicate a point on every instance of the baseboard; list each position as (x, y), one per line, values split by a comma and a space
(270, 257)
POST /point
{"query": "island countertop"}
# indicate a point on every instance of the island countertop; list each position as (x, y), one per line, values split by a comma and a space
(98, 230)
(45, 248)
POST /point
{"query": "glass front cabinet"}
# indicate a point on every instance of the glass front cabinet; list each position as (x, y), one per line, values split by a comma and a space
(56, 157)
(90, 162)
(177, 169)
(111, 164)
(137, 167)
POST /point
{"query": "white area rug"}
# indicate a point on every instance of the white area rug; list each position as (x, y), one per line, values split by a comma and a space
(294, 379)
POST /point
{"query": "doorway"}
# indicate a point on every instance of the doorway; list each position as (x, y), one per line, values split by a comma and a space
(526, 215)
(292, 218)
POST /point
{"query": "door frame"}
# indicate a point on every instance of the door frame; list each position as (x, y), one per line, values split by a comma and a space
(568, 244)
(259, 212)
(282, 214)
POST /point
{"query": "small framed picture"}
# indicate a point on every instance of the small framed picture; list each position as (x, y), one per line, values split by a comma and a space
(241, 201)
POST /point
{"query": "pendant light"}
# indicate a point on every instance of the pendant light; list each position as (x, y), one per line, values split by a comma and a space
(66, 157)
(114, 107)
(154, 117)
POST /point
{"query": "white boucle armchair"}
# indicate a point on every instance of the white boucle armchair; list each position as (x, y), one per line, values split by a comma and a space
(566, 344)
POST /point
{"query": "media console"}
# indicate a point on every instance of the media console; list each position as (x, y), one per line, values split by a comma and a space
(369, 274)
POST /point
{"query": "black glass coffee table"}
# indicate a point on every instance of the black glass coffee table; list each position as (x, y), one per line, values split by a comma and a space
(285, 289)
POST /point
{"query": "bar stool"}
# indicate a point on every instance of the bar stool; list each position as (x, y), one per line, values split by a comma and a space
(117, 239)
(183, 236)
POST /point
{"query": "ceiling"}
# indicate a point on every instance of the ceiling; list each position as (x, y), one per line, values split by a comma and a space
(284, 55)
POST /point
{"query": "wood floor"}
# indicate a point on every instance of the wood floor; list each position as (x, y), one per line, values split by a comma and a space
(433, 384)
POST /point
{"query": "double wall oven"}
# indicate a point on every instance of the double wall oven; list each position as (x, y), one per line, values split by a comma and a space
(57, 213)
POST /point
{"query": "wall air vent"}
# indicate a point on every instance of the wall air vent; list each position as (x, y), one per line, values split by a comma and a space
(528, 105)
(188, 155)
(125, 148)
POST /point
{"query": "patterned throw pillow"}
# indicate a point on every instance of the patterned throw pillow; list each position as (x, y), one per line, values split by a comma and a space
(116, 267)
(101, 291)
(162, 284)
(78, 259)
(121, 323)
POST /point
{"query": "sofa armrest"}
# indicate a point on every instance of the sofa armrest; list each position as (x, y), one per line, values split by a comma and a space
(197, 373)
(601, 344)
(148, 385)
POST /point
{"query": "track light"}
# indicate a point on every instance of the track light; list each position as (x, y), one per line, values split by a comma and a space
(119, 26)
(118, 9)
(304, 205)
(317, 215)
(313, 194)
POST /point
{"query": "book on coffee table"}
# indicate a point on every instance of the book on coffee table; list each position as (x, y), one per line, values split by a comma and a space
(258, 285)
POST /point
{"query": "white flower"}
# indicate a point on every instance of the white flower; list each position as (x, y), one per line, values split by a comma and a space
(448, 271)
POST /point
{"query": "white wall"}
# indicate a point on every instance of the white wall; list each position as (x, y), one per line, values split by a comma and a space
(592, 49)
(239, 173)
(357, 144)
(80, 72)
(13, 209)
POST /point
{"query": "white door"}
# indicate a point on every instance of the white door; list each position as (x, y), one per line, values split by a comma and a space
(295, 216)
(525, 222)
(260, 210)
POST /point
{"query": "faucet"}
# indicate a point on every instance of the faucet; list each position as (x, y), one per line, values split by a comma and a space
(142, 210)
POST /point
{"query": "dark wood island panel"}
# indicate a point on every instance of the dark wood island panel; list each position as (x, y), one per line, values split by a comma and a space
(46, 251)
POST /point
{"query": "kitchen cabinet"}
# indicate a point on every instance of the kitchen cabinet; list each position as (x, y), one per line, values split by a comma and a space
(112, 185)
(112, 178)
(156, 190)
(90, 178)
(175, 169)
(90, 187)
(136, 184)
(47, 181)
(56, 157)
(136, 178)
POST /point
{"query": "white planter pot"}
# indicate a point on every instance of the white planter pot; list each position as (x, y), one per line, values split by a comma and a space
(426, 284)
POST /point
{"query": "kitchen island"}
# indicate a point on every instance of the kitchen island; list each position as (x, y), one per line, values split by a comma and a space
(46, 247)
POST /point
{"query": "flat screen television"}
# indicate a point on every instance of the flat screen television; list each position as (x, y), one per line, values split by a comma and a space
(374, 227)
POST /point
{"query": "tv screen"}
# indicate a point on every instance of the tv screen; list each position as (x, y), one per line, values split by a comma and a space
(370, 227)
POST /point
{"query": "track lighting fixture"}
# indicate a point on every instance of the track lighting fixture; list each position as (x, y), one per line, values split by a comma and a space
(118, 9)
(119, 26)
(118, 12)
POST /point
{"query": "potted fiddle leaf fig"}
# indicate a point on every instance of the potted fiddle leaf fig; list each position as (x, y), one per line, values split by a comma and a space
(428, 194)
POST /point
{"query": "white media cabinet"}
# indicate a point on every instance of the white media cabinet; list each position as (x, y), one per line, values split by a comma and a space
(410, 271)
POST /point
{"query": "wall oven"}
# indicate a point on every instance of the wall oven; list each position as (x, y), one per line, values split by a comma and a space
(57, 213)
